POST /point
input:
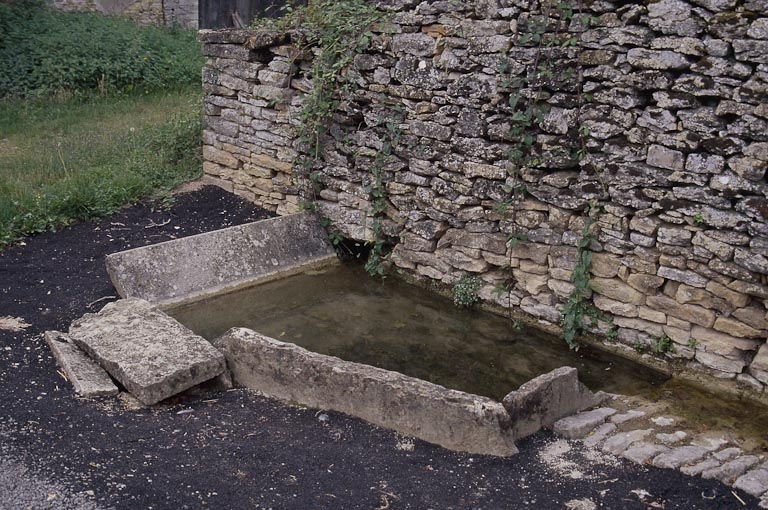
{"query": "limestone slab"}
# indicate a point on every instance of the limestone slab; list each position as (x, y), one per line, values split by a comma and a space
(621, 442)
(754, 482)
(207, 264)
(680, 457)
(641, 452)
(579, 425)
(151, 354)
(599, 435)
(452, 419)
(731, 470)
(87, 377)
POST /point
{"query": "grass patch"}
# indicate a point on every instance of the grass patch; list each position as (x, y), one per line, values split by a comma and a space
(73, 160)
(95, 113)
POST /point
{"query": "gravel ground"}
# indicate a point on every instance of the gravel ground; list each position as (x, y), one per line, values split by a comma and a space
(237, 449)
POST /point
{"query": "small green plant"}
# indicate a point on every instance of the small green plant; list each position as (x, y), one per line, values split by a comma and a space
(693, 343)
(698, 219)
(640, 347)
(465, 291)
(662, 345)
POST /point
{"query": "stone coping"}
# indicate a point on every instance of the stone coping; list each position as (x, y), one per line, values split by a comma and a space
(204, 265)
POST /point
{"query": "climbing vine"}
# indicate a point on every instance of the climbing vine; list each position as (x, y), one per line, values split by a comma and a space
(334, 32)
(552, 67)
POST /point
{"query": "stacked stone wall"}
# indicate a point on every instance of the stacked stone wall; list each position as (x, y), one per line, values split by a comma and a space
(666, 102)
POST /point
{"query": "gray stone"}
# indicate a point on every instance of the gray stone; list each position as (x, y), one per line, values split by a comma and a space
(731, 470)
(656, 59)
(152, 355)
(87, 377)
(452, 419)
(547, 398)
(194, 267)
(700, 467)
(670, 439)
(630, 415)
(624, 440)
(599, 435)
(579, 425)
(680, 456)
(641, 452)
(754, 482)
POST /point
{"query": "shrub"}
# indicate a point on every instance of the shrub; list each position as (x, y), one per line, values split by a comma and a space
(45, 52)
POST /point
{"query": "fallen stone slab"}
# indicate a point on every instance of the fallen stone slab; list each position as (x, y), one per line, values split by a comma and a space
(151, 354)
(547, 398)
(191, 268)
(579, 425)
(452, 419)
(680, 456)
(86, 376)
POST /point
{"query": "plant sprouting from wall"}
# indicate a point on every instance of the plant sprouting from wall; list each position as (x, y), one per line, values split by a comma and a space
(579, 306)
(465, 291)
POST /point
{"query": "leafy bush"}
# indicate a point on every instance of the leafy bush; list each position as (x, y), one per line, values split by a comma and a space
(45, 52)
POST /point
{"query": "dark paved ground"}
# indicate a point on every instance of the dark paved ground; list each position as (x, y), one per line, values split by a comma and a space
(237, 449)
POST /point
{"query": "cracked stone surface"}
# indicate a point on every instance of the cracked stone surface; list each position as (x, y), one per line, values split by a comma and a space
(147, 351)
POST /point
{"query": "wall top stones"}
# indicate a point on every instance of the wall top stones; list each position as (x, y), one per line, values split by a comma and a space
(655, 114)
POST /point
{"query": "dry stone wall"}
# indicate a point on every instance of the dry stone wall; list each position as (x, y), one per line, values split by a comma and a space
(655, 114)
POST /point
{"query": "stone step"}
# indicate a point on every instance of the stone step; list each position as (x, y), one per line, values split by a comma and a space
(151, 354)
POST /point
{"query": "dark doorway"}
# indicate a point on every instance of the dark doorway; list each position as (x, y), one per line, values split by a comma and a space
(239, 13)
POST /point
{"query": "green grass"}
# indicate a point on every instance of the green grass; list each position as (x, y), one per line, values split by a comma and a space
(73, 160)
(95, 113)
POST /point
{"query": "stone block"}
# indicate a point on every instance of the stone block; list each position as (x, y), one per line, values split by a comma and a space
(759, 366)
(151, 354)
(86, 376)
(687, 277)
(737, 328)
(599, 435)
(754, 482)
(579, 425)
(680, 456)
(645, 283)
(617, 290)
(452, 419)
(728, 472)
(663, 157)
(621, 442)
(689, 313)
(547, 398)
(615, 307)
(190, 268)
(642, 452)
